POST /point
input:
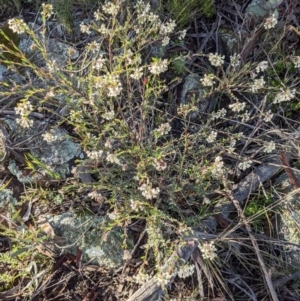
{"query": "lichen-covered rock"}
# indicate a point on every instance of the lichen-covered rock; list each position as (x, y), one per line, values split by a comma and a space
(86, 232)
(192, 92)
(55, 155)
(6, 198)
(57, 52)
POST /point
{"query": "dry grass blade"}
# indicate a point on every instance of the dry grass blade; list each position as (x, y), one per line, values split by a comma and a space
(263, 267)
(289, 171)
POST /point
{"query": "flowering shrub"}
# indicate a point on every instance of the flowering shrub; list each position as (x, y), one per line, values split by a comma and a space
(150, 161)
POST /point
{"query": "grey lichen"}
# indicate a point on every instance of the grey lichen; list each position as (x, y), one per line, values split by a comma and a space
(87, 233)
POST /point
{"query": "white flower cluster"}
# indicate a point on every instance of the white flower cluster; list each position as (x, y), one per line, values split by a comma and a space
(212, 137)
(17, 25)
(93, 47)
(165, 30)
(114, 215)
(208, 250)
(284, 95)
(94, 195)
(94, 155)
(163, 129)
(109, 115)
(113, 85)
(110, 8)
(182, 34)
(245, 165)
(49, 137)
(99, 63)
(186, 271)
(207, 80)
(85, 28)
(148, 191)
(269, 147)
(218, 167)
(159, 164)
(262, 66)
(185, 109)
(141, 278)
(268, 116)
(137, 74)
(258, 84)
(221, 113)
(237, 107)
(270, 22)
(135, 205)
(24, 109)
(158, 66)
(104, 30)
(47, 10)
(235, 60)
(164, 278)
(113, 159)
(296, 61)
(216, 59)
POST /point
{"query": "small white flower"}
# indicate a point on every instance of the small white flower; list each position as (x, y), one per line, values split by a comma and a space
(269, 147)
(135, 206)
(85, 28)
(104, 30)
(113, 159)
(94, 155)
(158, 66)
(110, 8)
(137, 74)
(218, 167)
(208, 250)
(141, 278)
(17, 25)
(165, 41)
(93, 47)
(262, 66)
(258, 84)
(235, 60)
(113, 215)
(296, 61)
(245, 116)
(270, 22)
(207, 80)
(284, 95)
(24, 108)
(97, 15)
(163, 129)
(113, 85)
(108, 144)
(148, 191)
(186, 271)
(245, 165)
(49, 137)
(99, 63)
(182, 34)
(216, 59)
(108, 115)
(221, 113)
(24, 122)
(159, 164)
(47, 10)
(206, 201)
(268, 116)
(167, 28)
(237, 107)
(212, 137)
